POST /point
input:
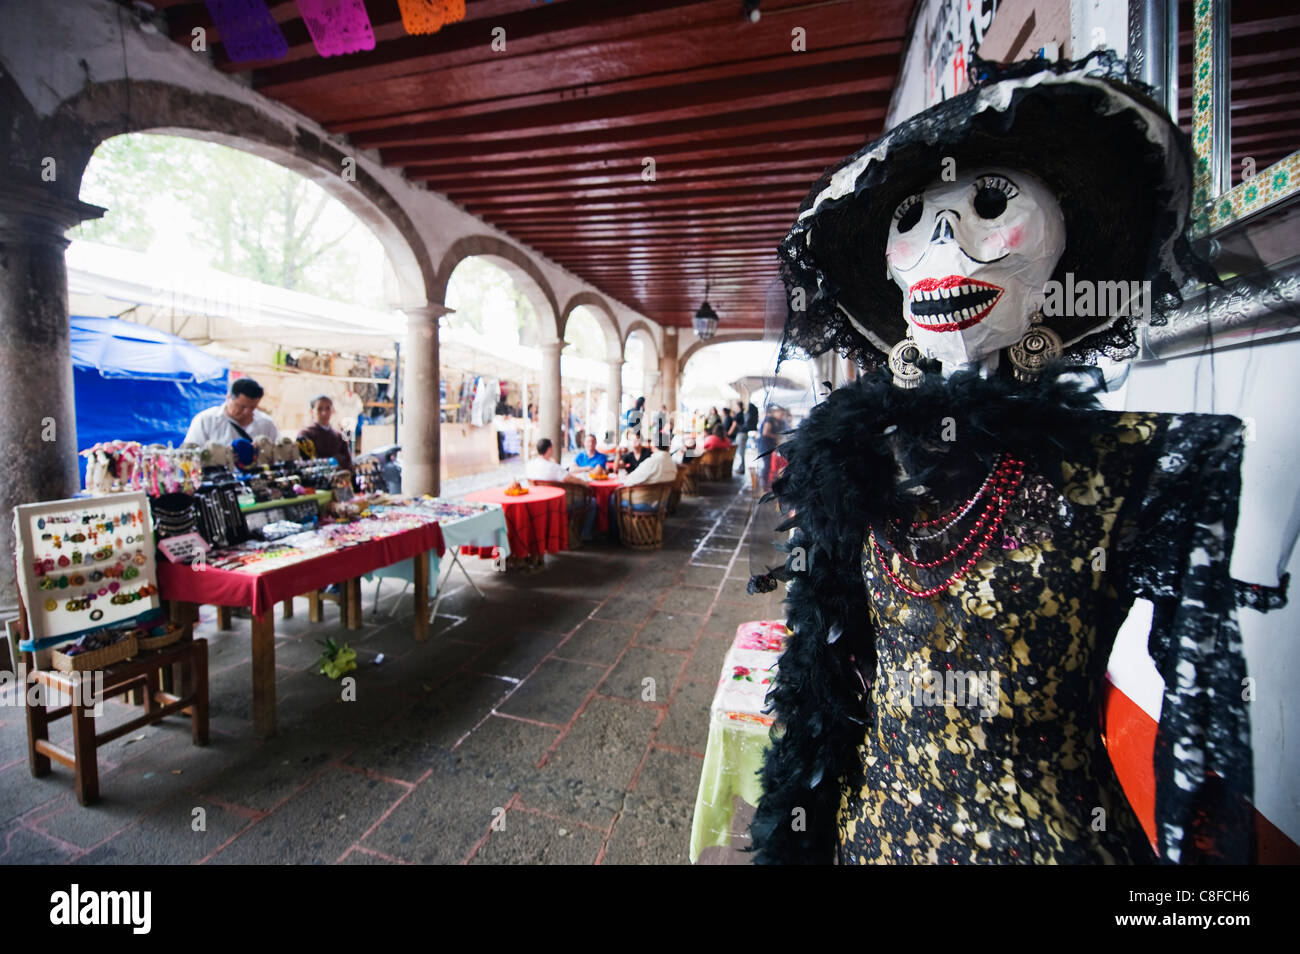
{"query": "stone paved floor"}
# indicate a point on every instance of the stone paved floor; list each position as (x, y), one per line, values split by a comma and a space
(572, 704)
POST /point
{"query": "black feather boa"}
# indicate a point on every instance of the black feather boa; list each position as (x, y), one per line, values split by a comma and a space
(843, 473)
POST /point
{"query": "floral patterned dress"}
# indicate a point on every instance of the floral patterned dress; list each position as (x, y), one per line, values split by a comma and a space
(975, 732)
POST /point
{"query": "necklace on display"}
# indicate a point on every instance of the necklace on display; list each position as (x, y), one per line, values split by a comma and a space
(1001, 486)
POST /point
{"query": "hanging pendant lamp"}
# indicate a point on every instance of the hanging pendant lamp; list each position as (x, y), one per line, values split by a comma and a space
(705, 321)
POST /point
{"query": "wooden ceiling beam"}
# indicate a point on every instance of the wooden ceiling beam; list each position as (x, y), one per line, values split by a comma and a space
(675, 174)
(758, 186)
(804, 107)
(868, 62)
(736, 233)
(824, 150)
(538, 151)
(581, 30)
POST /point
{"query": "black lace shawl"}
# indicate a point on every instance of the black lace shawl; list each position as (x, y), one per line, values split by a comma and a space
(841, 476)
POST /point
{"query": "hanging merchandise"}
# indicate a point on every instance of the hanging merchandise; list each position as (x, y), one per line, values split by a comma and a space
(337, 26)
(466, 399)
(429, 16)
(484, 402)
(248, 31)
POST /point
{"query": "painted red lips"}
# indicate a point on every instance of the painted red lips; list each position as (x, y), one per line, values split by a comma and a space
(952, 303)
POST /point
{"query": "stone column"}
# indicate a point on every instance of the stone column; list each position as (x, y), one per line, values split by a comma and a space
(39, 424)
(652, 398)
(548, 393)
(421, 411)
(668, 370)
(615, 391)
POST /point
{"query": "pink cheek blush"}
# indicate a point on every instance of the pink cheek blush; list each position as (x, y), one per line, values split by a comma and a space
(1015, 236)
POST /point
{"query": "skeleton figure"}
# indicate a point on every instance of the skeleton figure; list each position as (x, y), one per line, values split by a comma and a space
(971, 257)
(996, 523)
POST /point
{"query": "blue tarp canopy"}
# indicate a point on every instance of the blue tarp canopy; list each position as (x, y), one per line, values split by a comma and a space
(136, 383)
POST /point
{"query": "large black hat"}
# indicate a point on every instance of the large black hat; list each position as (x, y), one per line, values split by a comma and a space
(1120, 168)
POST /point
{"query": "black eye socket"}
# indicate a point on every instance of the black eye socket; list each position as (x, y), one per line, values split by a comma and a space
(908, 213)
(990, 202)
(991, 195)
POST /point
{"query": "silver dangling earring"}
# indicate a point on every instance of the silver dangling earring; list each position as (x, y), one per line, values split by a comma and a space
(903, 358)
(1039, 345)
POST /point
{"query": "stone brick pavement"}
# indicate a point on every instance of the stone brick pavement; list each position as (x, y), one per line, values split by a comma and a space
(561, 720)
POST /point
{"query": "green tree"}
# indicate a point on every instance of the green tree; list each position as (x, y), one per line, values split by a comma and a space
(254, 218)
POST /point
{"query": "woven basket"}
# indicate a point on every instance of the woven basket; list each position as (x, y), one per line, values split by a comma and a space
(96, 659)
(147, 643)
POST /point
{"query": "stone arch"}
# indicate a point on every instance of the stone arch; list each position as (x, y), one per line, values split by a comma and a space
(104, 110)
(724, 338)
(604, 317)
(517, 264)
(642, 327)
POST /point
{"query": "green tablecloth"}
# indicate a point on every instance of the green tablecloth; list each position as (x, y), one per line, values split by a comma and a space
(738, 733)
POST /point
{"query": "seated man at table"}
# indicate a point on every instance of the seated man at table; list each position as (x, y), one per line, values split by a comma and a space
(717, 439)
(544, 467)
(590, 458)
(658, 468)
(636, 451)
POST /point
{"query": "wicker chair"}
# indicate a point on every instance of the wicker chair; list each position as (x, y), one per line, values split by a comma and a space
(643, 529)
(679, 485)
(691, 467)
(576, 502)
(714, 463)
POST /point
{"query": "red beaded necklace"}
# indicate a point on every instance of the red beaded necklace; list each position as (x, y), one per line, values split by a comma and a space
(1001, 485)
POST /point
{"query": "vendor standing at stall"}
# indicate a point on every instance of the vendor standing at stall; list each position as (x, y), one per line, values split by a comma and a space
(326, 441)
(237, 418)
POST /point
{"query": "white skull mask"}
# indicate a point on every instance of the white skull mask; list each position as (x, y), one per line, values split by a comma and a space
(972, 257)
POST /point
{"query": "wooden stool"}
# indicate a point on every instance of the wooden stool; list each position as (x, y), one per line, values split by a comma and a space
(145, 672)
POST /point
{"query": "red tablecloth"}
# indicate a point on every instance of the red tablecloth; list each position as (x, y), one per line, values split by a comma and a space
(602, 491)
(536, 522)
(261, 591)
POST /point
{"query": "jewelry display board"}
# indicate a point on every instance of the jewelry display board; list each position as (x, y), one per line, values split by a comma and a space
(84, 564)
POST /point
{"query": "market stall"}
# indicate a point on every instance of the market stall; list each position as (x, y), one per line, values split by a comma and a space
(258, 578)
(249, 527)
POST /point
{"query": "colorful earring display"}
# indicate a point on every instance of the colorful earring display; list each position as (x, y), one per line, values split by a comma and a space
(80, 559)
